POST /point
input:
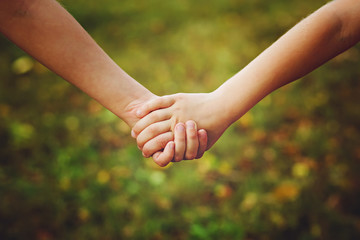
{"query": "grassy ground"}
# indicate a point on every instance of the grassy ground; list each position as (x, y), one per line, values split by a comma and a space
(287, 170)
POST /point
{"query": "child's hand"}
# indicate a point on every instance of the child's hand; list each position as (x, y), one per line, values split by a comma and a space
(187, 143)
(205, 109)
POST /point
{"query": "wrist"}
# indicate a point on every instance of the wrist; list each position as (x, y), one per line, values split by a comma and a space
(119, 93)
(242, 91)
(227, 107)
(135, 101)
(127, 112)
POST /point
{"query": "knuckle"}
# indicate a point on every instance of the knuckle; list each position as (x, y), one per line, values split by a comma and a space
(162, 141)
(200, 154)
(178, 158)
(136, 131)
(152, 116)
(180, 96)
(146, 152)
(165, 100)
(157, 102)
(135, 128)
(192, 135)
(170, 101)
(190, 156)
(151, 129)
(155, 116)
(160, 163)
(140, 143)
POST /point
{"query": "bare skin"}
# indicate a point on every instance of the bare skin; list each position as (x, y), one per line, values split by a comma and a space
(46, 31)
(329, 31)
(177, 108)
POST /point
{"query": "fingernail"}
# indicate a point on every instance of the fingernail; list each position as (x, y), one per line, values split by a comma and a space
(180, 128)
(133, 134)
(138, 113)
(190, 125)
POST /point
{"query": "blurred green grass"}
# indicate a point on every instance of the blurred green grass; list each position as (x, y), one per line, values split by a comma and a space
(287, 170)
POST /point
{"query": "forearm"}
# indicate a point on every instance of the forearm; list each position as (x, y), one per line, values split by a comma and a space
(318, 38)
(50, 34)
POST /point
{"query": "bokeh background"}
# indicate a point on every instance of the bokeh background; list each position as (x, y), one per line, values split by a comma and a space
(289, 169)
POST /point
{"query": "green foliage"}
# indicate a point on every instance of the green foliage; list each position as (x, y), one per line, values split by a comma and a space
(287, 170)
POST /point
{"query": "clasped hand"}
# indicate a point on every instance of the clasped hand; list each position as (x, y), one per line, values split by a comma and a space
(179, 127)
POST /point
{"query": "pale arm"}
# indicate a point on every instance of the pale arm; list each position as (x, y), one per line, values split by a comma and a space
(323, 35)
(45, 30)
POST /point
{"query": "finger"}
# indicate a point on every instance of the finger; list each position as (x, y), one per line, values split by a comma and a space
(164, 158)
(152, 131)
(192, 142)
(202, 135)
(180, 142)
(153, 117)
(157, 143)
(157, 103)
